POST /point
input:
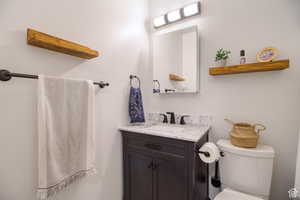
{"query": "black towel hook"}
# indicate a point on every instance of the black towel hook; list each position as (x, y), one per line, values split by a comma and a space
(156, 82)
(132, 77)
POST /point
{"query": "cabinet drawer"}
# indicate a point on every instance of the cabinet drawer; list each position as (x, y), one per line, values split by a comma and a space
(156, 144)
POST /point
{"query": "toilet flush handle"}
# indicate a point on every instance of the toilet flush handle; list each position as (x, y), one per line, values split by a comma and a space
(222, 154)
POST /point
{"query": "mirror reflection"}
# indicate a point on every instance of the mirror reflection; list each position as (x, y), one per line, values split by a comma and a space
(175, 61)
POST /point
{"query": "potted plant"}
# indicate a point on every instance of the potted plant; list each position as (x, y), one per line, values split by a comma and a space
(221, 57)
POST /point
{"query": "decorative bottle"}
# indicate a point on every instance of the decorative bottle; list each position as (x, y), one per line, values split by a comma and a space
(243, 58)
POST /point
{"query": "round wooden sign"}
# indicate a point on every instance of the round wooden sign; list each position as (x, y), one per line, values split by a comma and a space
(267, 54)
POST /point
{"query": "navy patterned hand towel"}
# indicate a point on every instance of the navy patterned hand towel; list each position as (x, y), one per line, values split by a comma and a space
(136, 110)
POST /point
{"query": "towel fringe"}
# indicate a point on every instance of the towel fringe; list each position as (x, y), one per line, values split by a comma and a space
(44, 194)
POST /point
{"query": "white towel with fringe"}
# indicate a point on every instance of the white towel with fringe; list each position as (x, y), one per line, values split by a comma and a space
(66, 133)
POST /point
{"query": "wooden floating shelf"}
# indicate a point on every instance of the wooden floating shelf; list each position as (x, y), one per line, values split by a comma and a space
(175, 77)
(253, 67)
(53, 43)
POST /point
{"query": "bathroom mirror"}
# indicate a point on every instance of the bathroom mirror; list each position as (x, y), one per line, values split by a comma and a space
(175, 61)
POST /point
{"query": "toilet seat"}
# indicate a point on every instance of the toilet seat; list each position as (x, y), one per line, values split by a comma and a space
(228, 194)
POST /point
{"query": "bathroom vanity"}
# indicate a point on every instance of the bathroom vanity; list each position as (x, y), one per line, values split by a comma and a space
(161, 163)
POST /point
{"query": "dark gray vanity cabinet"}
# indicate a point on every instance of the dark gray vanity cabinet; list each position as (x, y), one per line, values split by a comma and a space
(159, 168)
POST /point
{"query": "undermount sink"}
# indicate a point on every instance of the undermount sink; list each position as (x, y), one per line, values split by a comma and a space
(183, 132)
(165, 128)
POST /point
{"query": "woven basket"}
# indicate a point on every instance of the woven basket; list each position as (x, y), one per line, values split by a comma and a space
(244, 134)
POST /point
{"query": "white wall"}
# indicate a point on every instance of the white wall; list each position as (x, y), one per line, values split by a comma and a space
(297, 176)
(114, 27)
(271, 98)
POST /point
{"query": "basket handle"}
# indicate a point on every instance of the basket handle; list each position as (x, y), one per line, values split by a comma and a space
(229, 121)
(259, 127)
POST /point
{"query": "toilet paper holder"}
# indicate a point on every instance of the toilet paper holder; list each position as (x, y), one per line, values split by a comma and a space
(207, 154)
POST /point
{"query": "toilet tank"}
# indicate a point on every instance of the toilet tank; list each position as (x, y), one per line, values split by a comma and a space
(247, 170)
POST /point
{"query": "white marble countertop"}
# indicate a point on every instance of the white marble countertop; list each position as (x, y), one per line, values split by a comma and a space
(180, 132)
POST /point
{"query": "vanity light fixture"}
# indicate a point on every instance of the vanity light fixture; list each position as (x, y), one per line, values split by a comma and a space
(177, 15)
(174, 16)
(191, 10)
(159, 21)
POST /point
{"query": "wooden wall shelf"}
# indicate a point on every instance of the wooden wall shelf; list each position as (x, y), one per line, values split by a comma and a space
(175, 77)
(253, 67)
(53, 43)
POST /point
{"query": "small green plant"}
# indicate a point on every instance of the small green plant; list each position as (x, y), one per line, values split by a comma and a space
(222, 54)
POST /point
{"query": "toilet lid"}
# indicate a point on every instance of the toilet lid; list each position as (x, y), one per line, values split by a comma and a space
(228, 194)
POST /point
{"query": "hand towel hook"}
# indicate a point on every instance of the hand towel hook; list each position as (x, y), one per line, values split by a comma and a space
(132, 77)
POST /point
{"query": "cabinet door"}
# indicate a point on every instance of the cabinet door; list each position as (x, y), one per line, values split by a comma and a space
(170, 179)
(139, 177)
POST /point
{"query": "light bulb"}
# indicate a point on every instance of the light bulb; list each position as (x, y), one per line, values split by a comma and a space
(191, 9)
(174, 16)
(159, 21)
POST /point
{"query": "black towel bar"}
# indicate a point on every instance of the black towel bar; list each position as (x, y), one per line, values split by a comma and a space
(6, 75)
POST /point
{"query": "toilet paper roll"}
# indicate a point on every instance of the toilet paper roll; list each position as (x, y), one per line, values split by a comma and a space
(213, 150)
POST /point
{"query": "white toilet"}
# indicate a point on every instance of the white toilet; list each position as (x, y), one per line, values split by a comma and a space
(246, 174)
